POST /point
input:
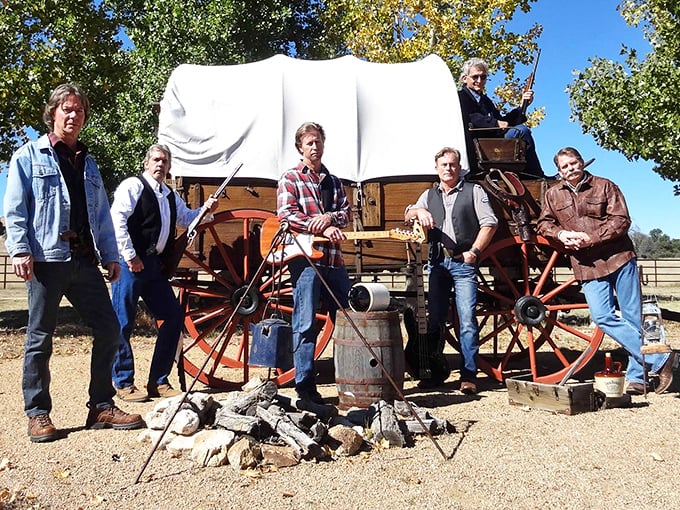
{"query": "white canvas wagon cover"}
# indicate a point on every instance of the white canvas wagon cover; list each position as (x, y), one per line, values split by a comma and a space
(381, 120)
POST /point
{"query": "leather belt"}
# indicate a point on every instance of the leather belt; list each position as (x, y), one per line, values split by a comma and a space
(449, 254)
(77, 247)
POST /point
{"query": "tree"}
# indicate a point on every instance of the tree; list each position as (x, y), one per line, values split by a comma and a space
(167, 33)
(45, 43)
(656, 245)
(643, 244)
(632, 106)
(406, 30)
(49, 42)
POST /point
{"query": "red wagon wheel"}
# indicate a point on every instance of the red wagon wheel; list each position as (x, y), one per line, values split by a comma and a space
(526, 312)
(211, 290)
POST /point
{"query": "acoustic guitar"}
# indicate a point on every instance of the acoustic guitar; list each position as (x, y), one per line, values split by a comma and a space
(287, 248)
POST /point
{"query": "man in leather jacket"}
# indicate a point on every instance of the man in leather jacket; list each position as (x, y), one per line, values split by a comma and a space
(588, 215)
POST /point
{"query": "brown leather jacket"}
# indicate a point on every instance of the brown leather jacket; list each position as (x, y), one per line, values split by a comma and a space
(598, 209)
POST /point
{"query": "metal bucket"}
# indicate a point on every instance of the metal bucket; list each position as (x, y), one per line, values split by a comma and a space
(358, 376)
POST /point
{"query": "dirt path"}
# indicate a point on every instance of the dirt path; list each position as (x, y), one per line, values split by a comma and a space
(502, 456)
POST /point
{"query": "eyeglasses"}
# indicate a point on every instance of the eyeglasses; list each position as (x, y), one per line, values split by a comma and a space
(478, 77)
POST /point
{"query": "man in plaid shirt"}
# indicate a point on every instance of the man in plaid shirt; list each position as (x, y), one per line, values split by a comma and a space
(313, 201)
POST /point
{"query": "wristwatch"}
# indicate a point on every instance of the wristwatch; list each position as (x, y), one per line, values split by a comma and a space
(475, 251)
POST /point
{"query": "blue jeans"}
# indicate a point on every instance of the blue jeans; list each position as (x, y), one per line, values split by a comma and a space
(307, 291)
(156, 291)
(627, 328)
(523, 132)
(462, 277)
(83, 285)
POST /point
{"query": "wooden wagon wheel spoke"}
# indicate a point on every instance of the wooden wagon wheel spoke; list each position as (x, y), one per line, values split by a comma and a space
(545, 275)
(217, 272)
(506, 279)
(226, 259)
(533, 317)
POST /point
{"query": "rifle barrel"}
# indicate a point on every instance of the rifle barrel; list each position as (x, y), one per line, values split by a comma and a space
(530, 81)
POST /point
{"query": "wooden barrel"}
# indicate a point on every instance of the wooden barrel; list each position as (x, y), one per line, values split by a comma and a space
(358, 376)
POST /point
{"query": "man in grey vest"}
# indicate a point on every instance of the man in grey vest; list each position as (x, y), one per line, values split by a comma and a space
(460, 224)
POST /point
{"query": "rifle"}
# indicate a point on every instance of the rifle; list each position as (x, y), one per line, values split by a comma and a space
(191, 229)
(173, 253)
(530, 82)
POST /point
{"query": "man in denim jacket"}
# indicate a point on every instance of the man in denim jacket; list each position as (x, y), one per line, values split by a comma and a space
(59, 229)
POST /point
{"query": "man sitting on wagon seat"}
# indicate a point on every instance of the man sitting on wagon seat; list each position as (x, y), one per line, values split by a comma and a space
(480, 112)
(461, 224)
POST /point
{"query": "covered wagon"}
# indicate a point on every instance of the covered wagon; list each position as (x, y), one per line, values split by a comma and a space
(384, 123)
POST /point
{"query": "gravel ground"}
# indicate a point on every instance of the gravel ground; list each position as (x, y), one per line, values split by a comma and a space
(500, 457)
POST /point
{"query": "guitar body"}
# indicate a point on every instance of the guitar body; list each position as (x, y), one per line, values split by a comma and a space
(295, 244)
(424, 356)
(424, 352)
(287, 248)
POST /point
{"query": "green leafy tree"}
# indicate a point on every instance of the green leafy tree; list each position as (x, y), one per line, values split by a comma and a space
(45, 43)
(407, 30)
(632, 106)
(167, 33)
(655, 245)
(123, 51)
(663, 244)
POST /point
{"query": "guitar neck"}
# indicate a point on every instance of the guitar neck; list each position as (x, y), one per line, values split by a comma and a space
(363, 234)
(420, 293)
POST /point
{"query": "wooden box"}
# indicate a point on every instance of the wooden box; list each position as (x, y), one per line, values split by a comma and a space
(571, 398)
(500, 149)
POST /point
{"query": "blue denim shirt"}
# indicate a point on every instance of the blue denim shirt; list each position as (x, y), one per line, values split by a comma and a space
(37, 206)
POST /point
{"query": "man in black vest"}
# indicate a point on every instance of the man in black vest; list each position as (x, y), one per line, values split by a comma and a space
(461, 223)
(145, 212)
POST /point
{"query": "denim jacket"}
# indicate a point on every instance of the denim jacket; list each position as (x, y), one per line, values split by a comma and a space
(37, 206)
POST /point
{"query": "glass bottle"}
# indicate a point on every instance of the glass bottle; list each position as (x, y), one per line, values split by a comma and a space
(611, 368)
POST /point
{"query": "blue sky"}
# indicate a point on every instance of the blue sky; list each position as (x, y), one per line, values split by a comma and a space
(572, 32)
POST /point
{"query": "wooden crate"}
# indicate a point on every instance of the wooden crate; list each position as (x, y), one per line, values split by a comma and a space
(571, 398)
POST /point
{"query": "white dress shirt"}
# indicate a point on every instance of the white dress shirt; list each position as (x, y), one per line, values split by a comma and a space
(125, 200)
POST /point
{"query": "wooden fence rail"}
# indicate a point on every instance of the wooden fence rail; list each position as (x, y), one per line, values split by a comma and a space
(659, 272)
(653, 272)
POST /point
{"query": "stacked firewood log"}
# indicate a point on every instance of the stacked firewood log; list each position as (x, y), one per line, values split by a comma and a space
(260, 427)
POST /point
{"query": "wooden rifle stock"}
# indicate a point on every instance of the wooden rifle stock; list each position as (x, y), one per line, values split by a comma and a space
(191, 229)
(530, 82)
(173, 253)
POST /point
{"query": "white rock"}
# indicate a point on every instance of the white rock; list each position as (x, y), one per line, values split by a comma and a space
(185, 422)
(211, 447)
(180, 445)
(155, 420)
